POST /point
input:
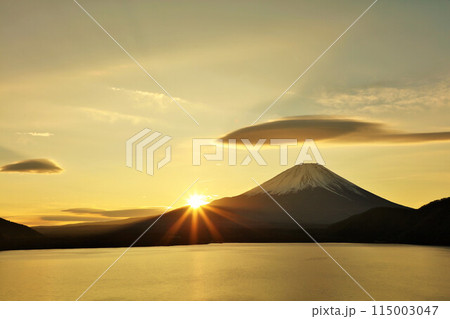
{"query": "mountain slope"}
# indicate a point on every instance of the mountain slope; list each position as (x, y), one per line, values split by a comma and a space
(330, 207)
(311, 193)
(13, 235)
(305, 176)
(429, 224)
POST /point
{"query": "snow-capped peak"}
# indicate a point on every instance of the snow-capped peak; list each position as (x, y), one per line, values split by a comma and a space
(305, 176)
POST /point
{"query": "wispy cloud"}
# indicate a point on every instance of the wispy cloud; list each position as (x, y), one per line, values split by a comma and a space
(332, 129)
(55, 219)
(132, 212)
(71, 219)
(39, 134)
(111, 117)
(85, 214)
(387, 99)
(157, 101)
(37, 166)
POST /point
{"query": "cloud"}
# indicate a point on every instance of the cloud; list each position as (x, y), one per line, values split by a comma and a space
(65, 218)
(40, 134)
(79, 215)
(145, 98)
(52, 220)
(133, 212)
(388, 99)
(112, 117)
(83, 210)
(38, 166)
(332, 129)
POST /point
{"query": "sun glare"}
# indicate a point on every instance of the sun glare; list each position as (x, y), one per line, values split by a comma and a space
(195, 201)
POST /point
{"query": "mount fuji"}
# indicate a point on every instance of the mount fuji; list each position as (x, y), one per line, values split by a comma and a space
(310, 193)
(330, 207)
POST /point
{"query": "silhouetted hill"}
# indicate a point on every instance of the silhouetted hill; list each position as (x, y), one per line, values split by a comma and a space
(179, 226)
(86, 229)
(429, 225)
(15, 236)
(437, 206)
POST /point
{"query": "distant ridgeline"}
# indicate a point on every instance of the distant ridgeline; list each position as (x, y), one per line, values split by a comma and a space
(428, 225)
(331, 208)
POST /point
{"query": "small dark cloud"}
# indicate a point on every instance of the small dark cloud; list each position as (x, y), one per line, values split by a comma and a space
(38, 166)
(83, 210)
(133, 212)
(332, 129)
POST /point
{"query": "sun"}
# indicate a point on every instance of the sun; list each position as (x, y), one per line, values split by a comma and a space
(195, 201)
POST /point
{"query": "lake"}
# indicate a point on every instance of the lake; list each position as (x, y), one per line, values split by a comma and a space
(229, 272)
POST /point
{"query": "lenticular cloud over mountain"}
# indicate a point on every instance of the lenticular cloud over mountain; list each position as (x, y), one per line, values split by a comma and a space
(333, 129)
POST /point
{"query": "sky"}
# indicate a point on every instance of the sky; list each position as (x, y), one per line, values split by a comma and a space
(71, 97)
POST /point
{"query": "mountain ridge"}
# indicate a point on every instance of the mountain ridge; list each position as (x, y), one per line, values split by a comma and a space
(427, 225)
(14, 235)
(303, 176)
(312, 195)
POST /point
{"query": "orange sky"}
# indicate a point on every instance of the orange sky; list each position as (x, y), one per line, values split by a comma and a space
(72, 96)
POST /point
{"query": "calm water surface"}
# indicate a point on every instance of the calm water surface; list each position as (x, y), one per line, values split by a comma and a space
(229, 272)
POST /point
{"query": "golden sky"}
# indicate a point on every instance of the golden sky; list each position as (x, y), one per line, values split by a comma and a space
(72, 96)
